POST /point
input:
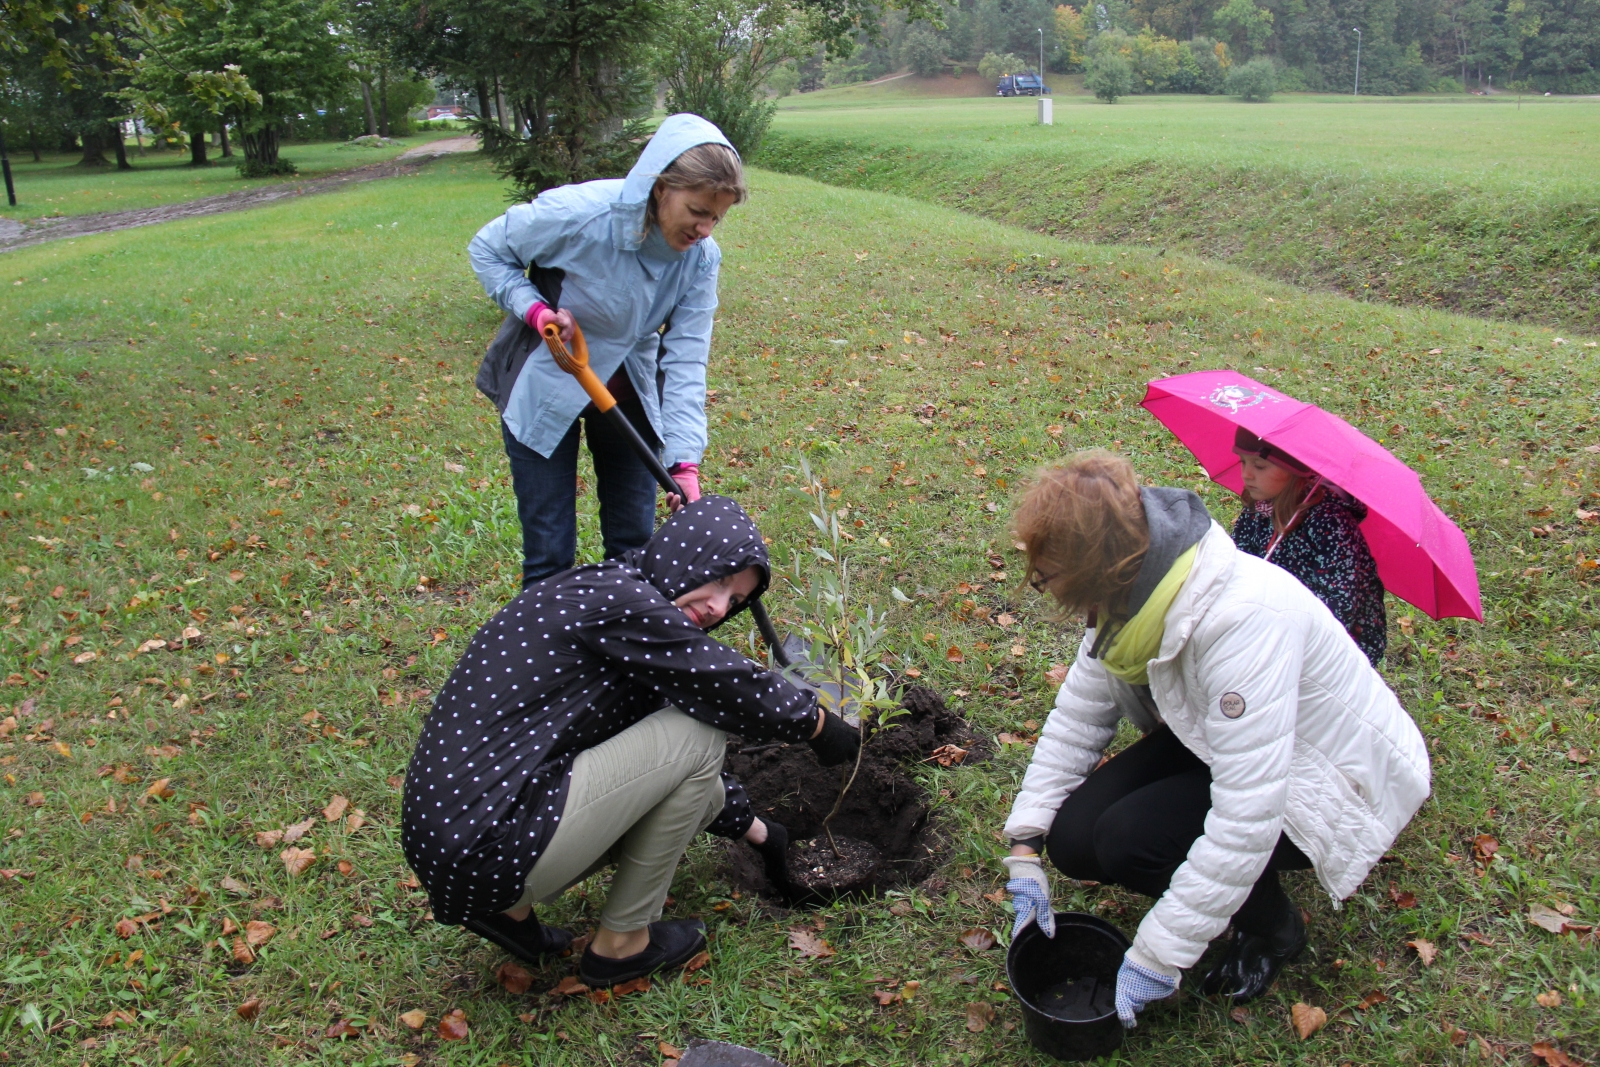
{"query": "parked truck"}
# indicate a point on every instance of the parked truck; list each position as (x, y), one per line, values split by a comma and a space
(1028, 83)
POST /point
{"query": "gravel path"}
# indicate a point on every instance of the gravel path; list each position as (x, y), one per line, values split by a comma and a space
(14, 234)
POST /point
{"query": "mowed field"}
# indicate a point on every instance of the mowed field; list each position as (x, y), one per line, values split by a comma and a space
(1485, 205)
(58, 185)
(259, 431)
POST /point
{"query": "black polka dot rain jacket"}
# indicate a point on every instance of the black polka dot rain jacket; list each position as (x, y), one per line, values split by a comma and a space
(573, 661)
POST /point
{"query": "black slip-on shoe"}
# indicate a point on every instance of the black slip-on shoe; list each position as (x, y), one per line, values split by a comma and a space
(774, 853)
(528, 940)
(1253, 963)
(672, 944)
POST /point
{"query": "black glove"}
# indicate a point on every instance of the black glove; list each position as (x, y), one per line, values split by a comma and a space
(837, 743)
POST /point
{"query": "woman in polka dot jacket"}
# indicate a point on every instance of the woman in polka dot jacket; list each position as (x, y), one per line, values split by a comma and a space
(583, 726)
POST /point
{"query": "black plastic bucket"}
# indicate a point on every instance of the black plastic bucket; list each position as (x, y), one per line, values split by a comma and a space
(1067, 985)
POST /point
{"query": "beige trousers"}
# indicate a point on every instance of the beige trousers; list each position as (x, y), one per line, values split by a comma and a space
(635, 801)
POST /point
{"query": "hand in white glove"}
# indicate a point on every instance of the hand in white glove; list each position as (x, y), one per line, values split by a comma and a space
(1137, 986)
(1030, 894)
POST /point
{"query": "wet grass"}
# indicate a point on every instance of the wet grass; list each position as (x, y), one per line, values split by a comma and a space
(298, 381)
(57, 185)
(1468, 204)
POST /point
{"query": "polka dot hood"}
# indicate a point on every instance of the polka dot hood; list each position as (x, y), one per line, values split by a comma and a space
(572, 662)
(707, 540)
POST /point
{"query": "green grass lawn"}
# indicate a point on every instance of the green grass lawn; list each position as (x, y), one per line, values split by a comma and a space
(1474, 204)
(58, 186)
(321, 495)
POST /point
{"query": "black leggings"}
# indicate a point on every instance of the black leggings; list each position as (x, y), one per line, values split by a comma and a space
(1133, 821)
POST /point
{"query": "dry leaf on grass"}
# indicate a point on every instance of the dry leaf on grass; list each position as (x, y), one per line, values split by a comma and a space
(1484, 847)
(637, 985)
(291, 834)
(954, 655)
(513, 978)
(126, 928)
(945, 755)
(268, 838)
(1552, 1056)
(910, 990)
(414, 1019)
(355, 821)
(1550, 998)
(1372, 1000)
(258, 933)
(342, 1029)
(1240, 1016)
(978, 939)
(1056, 675)
(1307, 1020)
(1547, 918)
(453, 1027)
(243, 953)
(229, 927)
(347, 868)
(160, 789)
(599, 996)
(1402, 898)
(336, 808)
(808, 944)
(249, 1009)
(297, 860)
(234, 886)
(570, 986)
(120, 1017)
(699, 960)
(979, 1016)
(884, 997)
(671, 1052)
(1425, 950)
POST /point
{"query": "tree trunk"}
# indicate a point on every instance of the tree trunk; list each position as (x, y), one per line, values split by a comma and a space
(197, 148)
(227, 149)
(261, 146)
(33, 144)
(366, 104)
(483, 99)
(120, 148)
(500, 105)
(383, 101)
(94, 149)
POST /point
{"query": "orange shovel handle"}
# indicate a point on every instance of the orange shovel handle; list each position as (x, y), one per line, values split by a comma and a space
(576, 363)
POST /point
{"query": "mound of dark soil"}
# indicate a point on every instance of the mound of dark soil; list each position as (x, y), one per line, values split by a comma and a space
(886, 810)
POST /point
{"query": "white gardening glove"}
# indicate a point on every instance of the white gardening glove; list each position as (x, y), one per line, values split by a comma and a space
(1030, 894)
(1138, 985)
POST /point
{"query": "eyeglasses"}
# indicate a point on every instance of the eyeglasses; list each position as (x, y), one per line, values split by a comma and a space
(1042, 580)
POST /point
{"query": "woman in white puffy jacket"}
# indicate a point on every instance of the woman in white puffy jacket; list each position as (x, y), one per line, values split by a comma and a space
(1269, 742)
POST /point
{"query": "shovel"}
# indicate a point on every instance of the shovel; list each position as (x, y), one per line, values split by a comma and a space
(576, 363)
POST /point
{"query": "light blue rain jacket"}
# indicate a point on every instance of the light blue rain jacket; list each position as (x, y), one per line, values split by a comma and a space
(621, 286)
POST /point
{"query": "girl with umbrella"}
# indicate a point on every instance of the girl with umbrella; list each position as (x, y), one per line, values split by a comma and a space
(584, 726)
(634, 261)
(1270, 742)
(1312, 529)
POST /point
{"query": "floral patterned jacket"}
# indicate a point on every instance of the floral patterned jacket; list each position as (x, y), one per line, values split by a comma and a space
(1329, 554)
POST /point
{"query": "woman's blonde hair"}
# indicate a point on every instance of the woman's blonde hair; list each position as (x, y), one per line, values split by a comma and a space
(1083, 527)
(705, 166)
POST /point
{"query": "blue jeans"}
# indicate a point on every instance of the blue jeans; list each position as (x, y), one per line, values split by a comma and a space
(547, 492)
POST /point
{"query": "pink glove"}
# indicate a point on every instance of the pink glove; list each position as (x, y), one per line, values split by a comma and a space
(538, 315)
(687, 475)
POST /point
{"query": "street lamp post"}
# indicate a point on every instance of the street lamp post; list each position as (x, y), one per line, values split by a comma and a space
(1041, 59)
(1358, 62)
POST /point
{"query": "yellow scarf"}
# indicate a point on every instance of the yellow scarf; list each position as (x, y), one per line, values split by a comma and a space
(1139, 640)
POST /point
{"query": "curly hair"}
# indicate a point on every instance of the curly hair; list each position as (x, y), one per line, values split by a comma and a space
(1083, 528)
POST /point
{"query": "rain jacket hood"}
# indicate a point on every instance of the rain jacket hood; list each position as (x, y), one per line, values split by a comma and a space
(672, 138)
(707, 540)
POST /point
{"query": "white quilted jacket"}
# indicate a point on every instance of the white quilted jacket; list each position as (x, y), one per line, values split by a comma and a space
(1257, 678)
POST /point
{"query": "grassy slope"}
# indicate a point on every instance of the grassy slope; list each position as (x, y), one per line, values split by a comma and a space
(1469, 204)
(57, 185)
(308, 403)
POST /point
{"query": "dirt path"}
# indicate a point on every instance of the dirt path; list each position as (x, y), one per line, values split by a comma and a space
(14, 234)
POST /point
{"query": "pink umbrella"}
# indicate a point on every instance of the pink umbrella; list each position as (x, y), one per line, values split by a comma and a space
(1422, 556)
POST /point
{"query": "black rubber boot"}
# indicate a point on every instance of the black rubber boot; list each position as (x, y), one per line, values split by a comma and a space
(1254, 961)
(528, 940)
(672, 944)
(774, 853)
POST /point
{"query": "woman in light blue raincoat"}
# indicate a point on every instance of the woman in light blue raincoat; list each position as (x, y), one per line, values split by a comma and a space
(632, 262)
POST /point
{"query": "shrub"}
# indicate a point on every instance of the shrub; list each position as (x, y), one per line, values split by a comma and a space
(1256, 80)
(992, 67)
(278, 168)
(1109, 77)
(922, 51)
